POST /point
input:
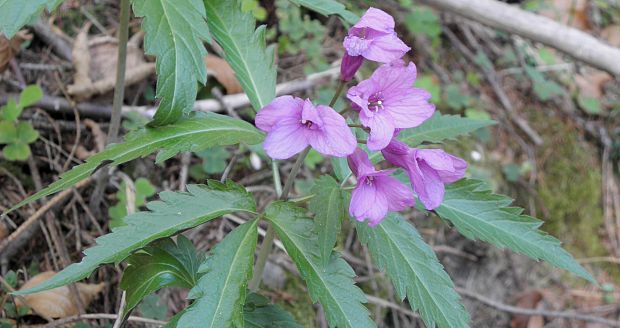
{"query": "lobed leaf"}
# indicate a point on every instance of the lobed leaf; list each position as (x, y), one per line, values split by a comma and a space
(220, 293)
(14, 14)
(190, 134)
(328, 7)
(175, 31)
(164, 264)
(333, 284)
(177, 211)
(244, 49)
(329, 208)
(397, 247)
(441, 127)
(478, 213)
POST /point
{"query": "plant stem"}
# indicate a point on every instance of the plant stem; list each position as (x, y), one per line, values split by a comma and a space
(267, 244)
(121, 63)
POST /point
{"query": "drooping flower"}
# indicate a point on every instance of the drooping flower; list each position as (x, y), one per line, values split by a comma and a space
(374, 38)
(292, 124)
(376, 193)
(349, 66)
(428, 169)
(388, 101)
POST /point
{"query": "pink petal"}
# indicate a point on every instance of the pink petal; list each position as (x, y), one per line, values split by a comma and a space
(449, 168)
(376, 19)
(334, 137)
(381, 129)
(394, 77)
(311, 113)
(398, 195)
(279, 108)
(409, 109)
(360, 164)
(286, 139)
(386, 49)
(367, 203)
(427, 184)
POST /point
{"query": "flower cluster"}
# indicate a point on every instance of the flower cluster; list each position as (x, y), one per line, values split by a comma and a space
(386, 103)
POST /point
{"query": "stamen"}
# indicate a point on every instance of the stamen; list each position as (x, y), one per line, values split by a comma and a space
(307, 123)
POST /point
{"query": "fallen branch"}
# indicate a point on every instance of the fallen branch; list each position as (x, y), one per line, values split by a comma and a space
(573, 42)
(98, 316)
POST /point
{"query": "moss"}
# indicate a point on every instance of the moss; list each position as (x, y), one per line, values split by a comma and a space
(569, 188)
(300, 305)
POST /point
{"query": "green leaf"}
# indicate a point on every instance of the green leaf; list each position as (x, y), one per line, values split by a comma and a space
(10, 111)
(431, 84)
(220, 293)
(341, 168)
(214, 160)
(26, 134)
(397, 247)
(177, 211)
(441, 127)
(16, 151)
(477, 213)
(333, 284)
(175, 31)
(152, 307)
(328, 206)
(164, 264)
(190, 134)
(328, 7)
(259, 313)
(423, 20)
(590, 104)
(544, 88)
(14, 14)
(244, 49)
(8, 132)
(30, 96)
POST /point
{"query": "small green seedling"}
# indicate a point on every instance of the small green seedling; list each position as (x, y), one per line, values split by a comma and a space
(14, 134)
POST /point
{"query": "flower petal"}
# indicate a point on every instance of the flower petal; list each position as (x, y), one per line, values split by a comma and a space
(409, 109)
(426, 183)
(286, 139)
(449, 168)
(381, 129)
(367, 203)
(311, 113)
(398, 195)
(377, 20)
(360, 164)
(334, 137)
(279, 108)
(385, 49)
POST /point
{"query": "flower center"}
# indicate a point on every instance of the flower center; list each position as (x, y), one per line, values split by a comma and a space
(307, 123)
(370, 180)
(375, 102)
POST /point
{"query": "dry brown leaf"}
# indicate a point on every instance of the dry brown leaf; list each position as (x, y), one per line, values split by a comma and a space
(58, 302)
(4, 230)
(529, 300)
(223, 73)
(612, 34)
(568, 12)
(81, 57)
(101, 69)
(10, 48)
(590, 83)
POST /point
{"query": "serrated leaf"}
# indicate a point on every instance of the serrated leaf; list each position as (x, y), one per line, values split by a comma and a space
(189, 134)
(333, 284)
(175, 31)
(14, 14)
(477, 213)
(163, 264)
(441, 127)
(259, 313)
(328, 206)
(328, 7)
(220, 293)
(244, 49)
(176, 211)
(397, 247)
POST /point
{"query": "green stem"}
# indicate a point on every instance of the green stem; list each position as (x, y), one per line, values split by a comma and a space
(341, 86)
(293, 174)
(119, 86)
(261, 260)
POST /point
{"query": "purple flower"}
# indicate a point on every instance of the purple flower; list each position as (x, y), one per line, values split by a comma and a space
(388, 101)
(374, 38)
(349, 66)
(292, 124)
(428, 169)
(376, 192)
